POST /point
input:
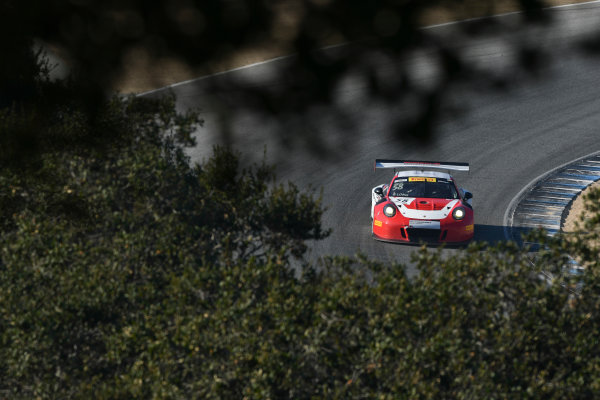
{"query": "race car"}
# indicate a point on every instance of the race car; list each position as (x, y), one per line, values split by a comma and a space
(422, 204)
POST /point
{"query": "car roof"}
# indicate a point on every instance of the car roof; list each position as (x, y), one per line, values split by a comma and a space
(432, 174)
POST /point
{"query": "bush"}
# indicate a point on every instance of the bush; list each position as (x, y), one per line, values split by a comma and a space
(125, 272)
(107, 250)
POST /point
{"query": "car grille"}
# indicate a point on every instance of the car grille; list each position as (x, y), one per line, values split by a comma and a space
(423, 235)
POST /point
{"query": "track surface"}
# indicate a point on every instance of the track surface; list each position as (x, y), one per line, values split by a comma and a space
(509, 138)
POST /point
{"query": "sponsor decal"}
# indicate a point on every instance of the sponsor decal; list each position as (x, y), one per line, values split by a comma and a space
(402, 201)
(421, 179)
(469, 228)
(377, 223)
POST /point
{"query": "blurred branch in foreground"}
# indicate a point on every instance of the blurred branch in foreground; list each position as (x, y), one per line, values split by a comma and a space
(107, 42)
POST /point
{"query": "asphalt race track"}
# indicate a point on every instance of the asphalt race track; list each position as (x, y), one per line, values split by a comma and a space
(509, 137)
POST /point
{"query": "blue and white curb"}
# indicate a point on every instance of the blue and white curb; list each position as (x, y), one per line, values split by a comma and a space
(545, 202)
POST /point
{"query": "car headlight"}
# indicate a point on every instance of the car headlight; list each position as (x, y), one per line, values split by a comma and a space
(459, 213)
(389, 210)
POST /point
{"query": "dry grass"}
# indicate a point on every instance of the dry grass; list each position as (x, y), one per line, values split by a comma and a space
(573, 225)
(573, 221)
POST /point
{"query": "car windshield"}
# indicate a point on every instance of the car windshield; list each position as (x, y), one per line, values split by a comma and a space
(436, 188)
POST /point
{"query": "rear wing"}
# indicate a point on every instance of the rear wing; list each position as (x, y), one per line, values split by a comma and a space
(422, 165)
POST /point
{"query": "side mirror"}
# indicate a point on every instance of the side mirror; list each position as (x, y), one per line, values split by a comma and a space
(468, 195)
(378, 191)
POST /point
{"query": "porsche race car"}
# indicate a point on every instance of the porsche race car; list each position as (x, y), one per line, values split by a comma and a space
(422, 204)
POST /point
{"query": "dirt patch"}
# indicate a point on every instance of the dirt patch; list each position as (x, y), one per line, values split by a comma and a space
(144, 73)
(576, 212)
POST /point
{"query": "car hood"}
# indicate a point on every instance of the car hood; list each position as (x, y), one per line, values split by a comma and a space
(424, 208)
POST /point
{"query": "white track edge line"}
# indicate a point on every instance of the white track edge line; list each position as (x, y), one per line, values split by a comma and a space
(343, 44)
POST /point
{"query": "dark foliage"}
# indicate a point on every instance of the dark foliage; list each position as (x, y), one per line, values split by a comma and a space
(97, 239)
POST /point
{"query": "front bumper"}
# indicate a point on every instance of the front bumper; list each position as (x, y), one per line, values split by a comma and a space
(454, 232)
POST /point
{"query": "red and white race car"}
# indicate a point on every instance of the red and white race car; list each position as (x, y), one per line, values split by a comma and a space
(421, 204)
